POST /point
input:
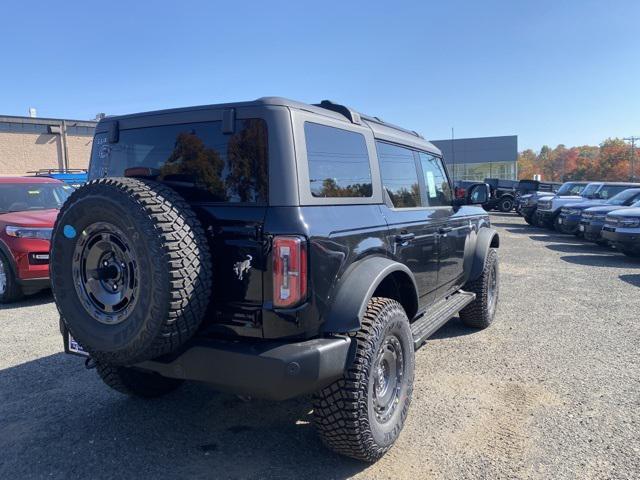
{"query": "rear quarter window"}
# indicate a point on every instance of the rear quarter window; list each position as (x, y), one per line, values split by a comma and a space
(338, 162)
(219, 167)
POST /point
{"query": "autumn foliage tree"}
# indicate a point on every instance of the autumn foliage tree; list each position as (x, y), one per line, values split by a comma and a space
(610, 161)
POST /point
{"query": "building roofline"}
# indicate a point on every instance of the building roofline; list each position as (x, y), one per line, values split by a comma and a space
(47, 121)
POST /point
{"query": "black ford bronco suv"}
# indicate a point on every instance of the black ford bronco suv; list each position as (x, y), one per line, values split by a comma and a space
(272, 249)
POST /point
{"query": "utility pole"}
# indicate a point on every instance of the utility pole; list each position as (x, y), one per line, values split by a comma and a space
(633, 140)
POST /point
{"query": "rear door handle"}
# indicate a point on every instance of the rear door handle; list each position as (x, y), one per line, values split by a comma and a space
(405, 237)
(444, 230)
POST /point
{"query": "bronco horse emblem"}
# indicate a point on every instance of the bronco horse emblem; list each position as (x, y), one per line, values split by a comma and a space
(240, 268)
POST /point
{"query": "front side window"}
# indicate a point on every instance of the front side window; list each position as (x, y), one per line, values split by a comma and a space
(399, 175)
(338, 162)
(213, 165)
(437, 185)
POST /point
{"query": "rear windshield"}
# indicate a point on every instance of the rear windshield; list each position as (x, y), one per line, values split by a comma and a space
(22, 197)
(221, 167)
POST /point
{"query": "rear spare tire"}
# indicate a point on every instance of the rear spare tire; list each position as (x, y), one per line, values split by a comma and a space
(130, 269)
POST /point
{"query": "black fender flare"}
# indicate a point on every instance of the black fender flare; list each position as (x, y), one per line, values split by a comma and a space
(477, 251)
(354, 290)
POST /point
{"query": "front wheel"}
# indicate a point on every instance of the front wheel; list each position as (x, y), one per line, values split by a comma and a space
(480, 312)
(506, 204)
(10, 290)
(361, 415)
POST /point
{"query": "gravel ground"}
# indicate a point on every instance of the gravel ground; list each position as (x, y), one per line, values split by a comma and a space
(551, 390)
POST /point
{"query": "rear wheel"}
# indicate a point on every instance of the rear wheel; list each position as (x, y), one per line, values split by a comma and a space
(136, 383)
(362, 414)
(480, 312)
(10, 290)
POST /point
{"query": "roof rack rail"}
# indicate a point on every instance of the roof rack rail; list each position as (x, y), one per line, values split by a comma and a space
(351, 115)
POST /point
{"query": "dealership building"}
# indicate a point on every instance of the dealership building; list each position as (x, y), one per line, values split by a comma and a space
(28, 144)
(480, 158)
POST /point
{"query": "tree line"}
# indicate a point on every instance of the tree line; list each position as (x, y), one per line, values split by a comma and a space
(609, 161)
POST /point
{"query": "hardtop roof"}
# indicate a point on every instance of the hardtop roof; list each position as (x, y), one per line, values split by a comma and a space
(381, 129)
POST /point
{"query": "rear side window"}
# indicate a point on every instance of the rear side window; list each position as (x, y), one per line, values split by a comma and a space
(436, 182)
(218, 167)
(338, 162)
(399, 175)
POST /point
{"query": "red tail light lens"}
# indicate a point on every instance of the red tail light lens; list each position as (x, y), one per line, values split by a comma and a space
(289, 271)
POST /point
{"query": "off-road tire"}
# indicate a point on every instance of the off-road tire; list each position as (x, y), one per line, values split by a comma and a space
(136, 383)
(172, 261)
(481, 312)
(343, 412)
(529, 219)
(506, 205)
(13, 291)
(556, 224)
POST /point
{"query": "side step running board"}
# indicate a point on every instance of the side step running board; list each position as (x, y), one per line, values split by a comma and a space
(438, 314)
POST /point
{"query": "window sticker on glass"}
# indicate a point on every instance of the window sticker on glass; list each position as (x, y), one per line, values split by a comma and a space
(431, 185)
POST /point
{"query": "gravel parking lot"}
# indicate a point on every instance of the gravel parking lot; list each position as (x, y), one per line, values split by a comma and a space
(551, 390)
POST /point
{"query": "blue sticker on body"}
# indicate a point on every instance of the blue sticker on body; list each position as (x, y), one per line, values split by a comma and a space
(69, 231)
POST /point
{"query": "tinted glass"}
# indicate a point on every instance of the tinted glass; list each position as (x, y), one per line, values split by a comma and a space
(626, 197)
(338, 162)
(437, 185)
(20, 197)
(399, 175)
(590, 190)
(570, 188)
(609, 191)
(211, 165)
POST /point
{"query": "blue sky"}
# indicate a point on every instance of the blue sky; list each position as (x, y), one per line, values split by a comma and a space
(549, 71)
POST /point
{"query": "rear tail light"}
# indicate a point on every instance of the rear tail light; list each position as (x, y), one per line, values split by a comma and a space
(289, 271)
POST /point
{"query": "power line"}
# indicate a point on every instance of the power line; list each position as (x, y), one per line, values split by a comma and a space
(632, 139)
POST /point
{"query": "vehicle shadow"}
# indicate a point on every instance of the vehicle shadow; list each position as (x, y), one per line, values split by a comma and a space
(59, 420)
(611, 260)
(578, 248)
(633, 279)
(40, 298)
(453, 328)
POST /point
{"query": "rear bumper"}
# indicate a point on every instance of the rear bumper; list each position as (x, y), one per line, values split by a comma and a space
(270, 370)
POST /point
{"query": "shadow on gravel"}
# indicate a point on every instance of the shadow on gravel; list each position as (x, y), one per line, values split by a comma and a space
(39, 298)
(631, 279)
(615, 260)
(453, 328)
(576, 248)
(556, 238)
(57, 420)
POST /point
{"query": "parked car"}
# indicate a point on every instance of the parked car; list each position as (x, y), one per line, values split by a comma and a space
(526, 189)
(71, 176)
(610, 194)
(502, 196)
(622, 230)
(529, 204)
(28, 210)
(273, 249)
(592, 219)
(548, 208)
